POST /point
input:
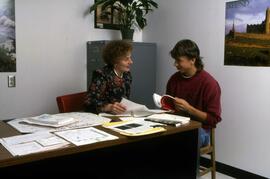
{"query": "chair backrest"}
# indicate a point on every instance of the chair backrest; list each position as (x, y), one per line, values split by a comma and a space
(71, 102)
(209, 150)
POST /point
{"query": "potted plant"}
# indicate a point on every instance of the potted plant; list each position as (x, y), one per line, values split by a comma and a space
(130, 13)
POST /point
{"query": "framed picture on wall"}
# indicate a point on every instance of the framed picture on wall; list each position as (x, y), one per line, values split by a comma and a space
(247, 33)
(106, 19)
(7, 36)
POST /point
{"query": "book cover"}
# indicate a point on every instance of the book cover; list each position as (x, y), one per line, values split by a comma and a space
(165, 102)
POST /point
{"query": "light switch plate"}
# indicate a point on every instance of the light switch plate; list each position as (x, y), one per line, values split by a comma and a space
(11, 81)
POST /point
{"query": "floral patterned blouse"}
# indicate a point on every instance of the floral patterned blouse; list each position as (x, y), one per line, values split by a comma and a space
(106, 88)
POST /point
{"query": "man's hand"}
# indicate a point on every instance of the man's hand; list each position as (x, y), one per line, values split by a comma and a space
(181, 104)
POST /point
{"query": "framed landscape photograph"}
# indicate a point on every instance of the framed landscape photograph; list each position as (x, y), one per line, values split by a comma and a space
(106, 19)
(247, 33)
(7, 36)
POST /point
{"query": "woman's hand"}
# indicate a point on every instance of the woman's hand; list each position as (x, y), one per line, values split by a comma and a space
(114, 108)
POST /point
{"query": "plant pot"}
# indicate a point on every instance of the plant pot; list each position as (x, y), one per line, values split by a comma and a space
(127, 34)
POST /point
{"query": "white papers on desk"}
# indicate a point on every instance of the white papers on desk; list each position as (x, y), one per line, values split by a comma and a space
(84, 120)
(50, 120)
(135, 110)
(85, 136)
(23, 127)
(170, 117)
(32, 143)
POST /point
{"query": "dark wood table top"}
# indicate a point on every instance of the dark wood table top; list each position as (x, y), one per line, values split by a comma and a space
(6, 159)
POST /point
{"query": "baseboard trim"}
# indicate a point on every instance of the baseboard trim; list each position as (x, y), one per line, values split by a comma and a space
(231, 171)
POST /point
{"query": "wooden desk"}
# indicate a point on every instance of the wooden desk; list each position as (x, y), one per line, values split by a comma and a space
(171, 154)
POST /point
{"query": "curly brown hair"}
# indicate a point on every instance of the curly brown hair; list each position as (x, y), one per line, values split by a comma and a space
(114, 50)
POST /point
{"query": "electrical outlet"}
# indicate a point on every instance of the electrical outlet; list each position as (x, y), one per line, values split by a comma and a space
(11, 81)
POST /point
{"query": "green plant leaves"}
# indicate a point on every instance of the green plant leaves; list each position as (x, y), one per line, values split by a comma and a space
(131, 12)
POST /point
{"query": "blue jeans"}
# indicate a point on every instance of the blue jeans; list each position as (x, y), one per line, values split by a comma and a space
(204, 137)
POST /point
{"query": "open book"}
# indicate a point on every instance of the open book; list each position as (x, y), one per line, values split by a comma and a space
(165, 102)
(50, 120)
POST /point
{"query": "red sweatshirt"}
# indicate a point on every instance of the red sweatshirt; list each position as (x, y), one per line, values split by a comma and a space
(201, 91)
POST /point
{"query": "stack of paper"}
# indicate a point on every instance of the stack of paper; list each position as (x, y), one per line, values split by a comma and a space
(50, 120)
(84, 120)
(32, 143)
(135, 110)
(169, 119)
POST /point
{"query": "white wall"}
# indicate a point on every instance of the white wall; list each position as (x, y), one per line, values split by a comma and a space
(242, 137)
(51, 61)
(51, 40)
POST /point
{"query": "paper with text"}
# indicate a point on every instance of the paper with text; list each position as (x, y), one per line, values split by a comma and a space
(135, 110)
(32, 143)
(84, 120)
(170, 117)
(85, 136)
(50, 120)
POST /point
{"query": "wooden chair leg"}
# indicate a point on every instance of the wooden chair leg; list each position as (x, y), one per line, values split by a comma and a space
(213, 156)
(213, 163)
(210, 150)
